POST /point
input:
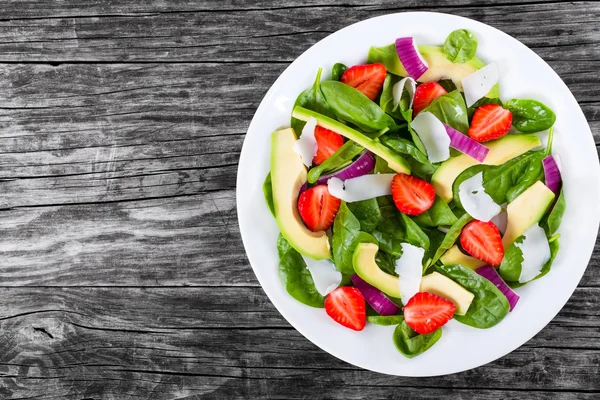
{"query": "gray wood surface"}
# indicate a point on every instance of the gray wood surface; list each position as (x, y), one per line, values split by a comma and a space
(122, 269)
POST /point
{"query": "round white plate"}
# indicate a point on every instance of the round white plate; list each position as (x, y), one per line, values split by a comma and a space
(522, 75)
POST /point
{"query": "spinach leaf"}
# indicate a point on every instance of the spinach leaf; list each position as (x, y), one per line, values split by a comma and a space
(439, 214)
(386, 100)
(505, 182)
(367, 212)
(385, 320)
(555, 217)
(390, 232)
(382, 166)
(448, 85)
(346, 236)
(314, 100)
(451, 236)
(352, 106)
(386, 262)
(388, 56)
(404, 146)
(435, 240)
(510, 268)
(451, 110)
(530, 116)
(413, 233)
(337, 71)
(489, 305)
(338, 160)
(295, 277)
(410, 343)
(460, 46)
(268, 192)
(481, 102)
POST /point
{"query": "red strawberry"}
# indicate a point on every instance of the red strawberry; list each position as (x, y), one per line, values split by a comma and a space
(412, 196)
(346, 305)
(482, 240)
(318, 208)
(426, 312)
(366, 78)
(328, 142)
(490, 122)
(425, 94)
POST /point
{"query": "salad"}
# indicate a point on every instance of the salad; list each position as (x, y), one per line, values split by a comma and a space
(407, 193)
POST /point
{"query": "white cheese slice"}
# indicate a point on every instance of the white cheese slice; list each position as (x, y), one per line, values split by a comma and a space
(409, 268)
(306, 147)
(324, 274)
(432, 133)
(536, 252)
(361, 188)
(407, 84)
(479, 83)
(476, 202)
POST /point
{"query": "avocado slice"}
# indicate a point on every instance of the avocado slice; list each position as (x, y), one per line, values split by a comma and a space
(501, 151)
(526, 210)
(288, 174)
(439, 66)
(445, 287)
(363, 261)
(394, 160)
(454, 256)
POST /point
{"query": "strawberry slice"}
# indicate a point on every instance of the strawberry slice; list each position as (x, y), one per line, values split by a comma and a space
(346, 305)
(412, 196)
(426, 312)
(318, 208)
(425, 94)
(328, 142)
(482, 240)
(366, 78)
(490, 121)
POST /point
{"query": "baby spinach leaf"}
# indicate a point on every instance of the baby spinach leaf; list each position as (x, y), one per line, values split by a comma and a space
(530, 116)
(386, 262)
(555, 216)
(390, 231)
(404, 146)
(352, 106)
(435, 240)
(439, 214)
(510, 268)
(413, 234)
(451, 110)
(382, 166)
(367, 212)
(338, 160)
(268, 191)
(386, 100)
(388, 56)
(450, 237)
(410, 343)
(460, 46)
(314, 100)
(385, 320)
(295, 277)
(448, 85)
(346, 236)
(337, 71)
(489, 305)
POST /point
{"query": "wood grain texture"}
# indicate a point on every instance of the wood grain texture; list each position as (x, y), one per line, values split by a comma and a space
(122, 270)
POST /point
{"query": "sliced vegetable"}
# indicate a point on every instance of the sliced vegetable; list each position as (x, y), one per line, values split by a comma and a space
(410, 57)
(490, 273)
(346, 306)
(375, 297)
(466, 145)
(362, 166)
(479, 83)
(361, 188)
(552, 174)
(433, 135)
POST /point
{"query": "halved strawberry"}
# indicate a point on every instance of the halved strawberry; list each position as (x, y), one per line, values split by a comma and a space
(426, 312)
(425, 94)
(346, 305)
(366, 78)
(490, 121)
(328, 142)
(482, 240)
(412, 196)
(318, 208)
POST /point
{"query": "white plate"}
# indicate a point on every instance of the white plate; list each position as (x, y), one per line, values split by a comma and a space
(523, 75)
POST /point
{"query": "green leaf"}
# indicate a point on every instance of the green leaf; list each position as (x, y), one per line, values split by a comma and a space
(451, 110)
(510, 268)
(353, 106)
(388, 56)
(382, 166)
(337, 71)
(338, 160)
(314, 100)
(530, 116)
(435, 240)
(489, 305)
(413, 233)
(555, 216)
(346, 236)
(390, 231)
(410, 343)
(451, 236)
(439, 214)
(268, 192)
(404, 146)
(386, 320)
(386, 100)
(386, 262)
(448, 85)
(460, 46)
(367, 212)
(295, 277)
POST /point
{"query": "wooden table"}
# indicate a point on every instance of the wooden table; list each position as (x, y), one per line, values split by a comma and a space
(122, 270)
